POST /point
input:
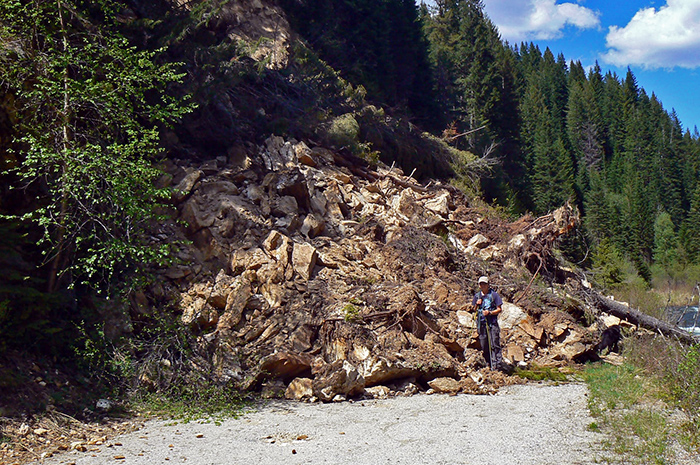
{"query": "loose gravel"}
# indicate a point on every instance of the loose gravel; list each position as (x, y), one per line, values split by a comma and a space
(534, 424)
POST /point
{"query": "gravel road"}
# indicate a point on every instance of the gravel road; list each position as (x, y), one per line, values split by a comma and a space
(525, 424)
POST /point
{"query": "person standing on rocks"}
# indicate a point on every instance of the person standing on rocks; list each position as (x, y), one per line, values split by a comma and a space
(488, 304)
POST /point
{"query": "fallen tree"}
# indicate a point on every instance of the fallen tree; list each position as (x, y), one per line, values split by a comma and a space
(640, 319)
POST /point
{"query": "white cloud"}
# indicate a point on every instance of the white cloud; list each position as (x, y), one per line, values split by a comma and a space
(520, 20)
(663, 38)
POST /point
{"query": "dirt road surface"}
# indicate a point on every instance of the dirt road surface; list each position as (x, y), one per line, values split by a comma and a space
(525, 424)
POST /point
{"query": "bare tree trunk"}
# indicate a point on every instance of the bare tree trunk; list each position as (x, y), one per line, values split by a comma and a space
(641, 319)
(61, 229)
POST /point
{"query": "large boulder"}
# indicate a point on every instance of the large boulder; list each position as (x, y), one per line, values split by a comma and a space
(292, 183)
(250, 259)
(511, 316)
(338, 379)
(299, 389)
(445, 385)
(279, 365)
(236, 302)
(376, 370)
(439, 204)
(217, 293)
(278, 154)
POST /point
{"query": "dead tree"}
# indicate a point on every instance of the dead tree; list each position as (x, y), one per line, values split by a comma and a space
(640, 319)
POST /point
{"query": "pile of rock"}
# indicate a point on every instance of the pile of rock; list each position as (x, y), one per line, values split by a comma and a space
(335, 278)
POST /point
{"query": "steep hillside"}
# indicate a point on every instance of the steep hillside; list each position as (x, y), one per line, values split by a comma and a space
(303, 258)
(322, 273)
(320, 247)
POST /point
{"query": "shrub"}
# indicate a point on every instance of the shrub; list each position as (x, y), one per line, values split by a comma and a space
(344, 131)
(684, 380)
(677, 367)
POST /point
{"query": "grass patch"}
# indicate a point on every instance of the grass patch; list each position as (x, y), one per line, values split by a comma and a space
(539, 373)
(628, 409)
(351, 313)
(613, 387)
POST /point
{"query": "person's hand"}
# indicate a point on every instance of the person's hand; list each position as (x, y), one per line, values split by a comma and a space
(487, 312)
(479, 302)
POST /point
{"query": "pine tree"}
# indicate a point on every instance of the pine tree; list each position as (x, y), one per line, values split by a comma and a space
(478, 83)
(600, 218)
(551, 177)
(667, 182)
(376, 44)
(584, 130)
(690, 233)
(665, 242)
(613, 121)
(639, 227)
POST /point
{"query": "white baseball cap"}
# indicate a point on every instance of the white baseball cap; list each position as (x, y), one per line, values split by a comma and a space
(484, 279)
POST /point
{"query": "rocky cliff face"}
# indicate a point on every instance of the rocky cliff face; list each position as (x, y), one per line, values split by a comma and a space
(318, 275)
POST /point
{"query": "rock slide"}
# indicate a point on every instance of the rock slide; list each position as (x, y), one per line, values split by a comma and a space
(307, 273)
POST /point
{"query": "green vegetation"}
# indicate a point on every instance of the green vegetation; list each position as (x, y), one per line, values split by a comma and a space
(649, 407)
(351, 313)
(157, 371)
(537, 373)
(634, 403)
(87, 136)
(624, 403)
(208, 402)
(375, 44)
(87, 110)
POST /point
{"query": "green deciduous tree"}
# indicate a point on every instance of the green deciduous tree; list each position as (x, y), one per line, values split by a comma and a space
(90, 106)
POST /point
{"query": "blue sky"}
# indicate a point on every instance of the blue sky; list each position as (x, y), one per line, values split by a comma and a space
(658, 40)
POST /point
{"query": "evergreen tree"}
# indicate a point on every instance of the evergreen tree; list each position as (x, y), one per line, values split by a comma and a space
(613, 121)
(478, 83)
(639, 227)
(665, 242)
(608, 264)
(689, 159)
(601, 220)
(552, 170)
(690, 233)
(596, 83)
(583, 128)
(376, 44)
(667, 182)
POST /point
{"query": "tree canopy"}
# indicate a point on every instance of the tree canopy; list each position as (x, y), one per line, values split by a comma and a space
(89, 106)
